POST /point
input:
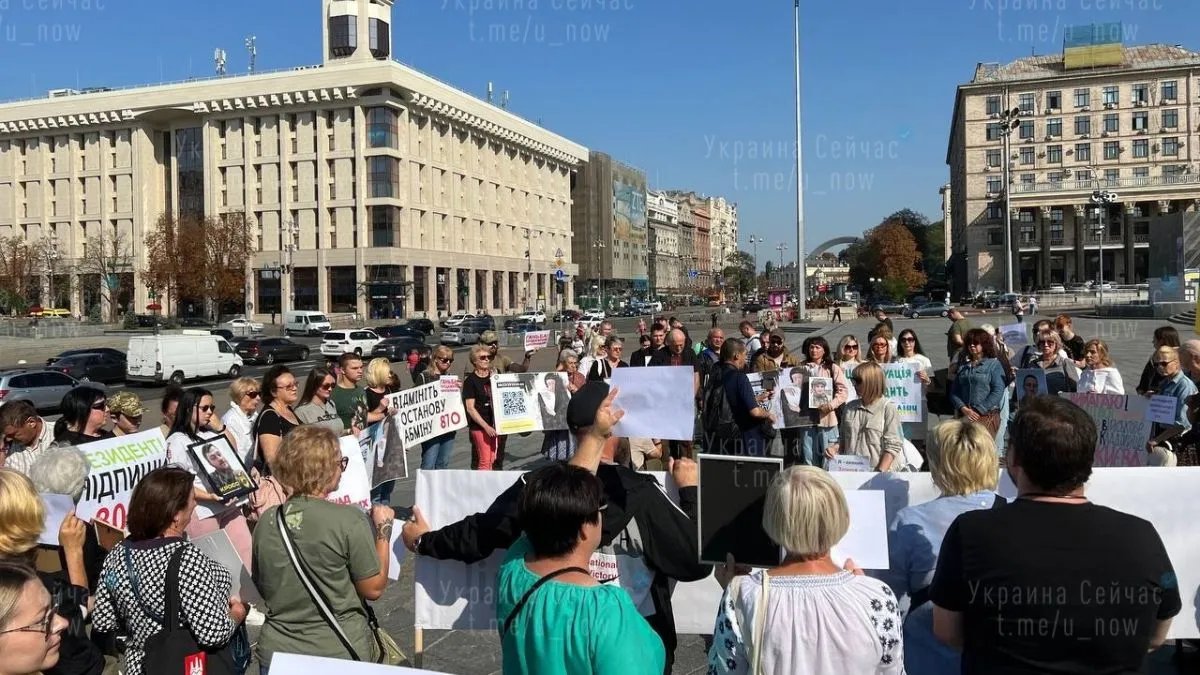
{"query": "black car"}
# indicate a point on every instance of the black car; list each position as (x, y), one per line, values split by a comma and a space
(424, 325)
(149, 320)
(115, 353)
(96, 367)
(402, 330)
(397, 348)
(753, 307)
(222, 332)
(194, 322)
(517, 326)
(479, 324)
(270, 350)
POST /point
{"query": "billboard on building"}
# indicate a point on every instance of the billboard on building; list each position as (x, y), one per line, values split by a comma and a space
(1092, 46)
(629, 212)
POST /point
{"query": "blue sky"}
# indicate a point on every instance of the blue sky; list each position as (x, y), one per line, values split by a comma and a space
(698, 93)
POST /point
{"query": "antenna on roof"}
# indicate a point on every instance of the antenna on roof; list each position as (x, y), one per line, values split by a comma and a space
(219, 59)
(253, 49)
(489, 92)
(504, 100)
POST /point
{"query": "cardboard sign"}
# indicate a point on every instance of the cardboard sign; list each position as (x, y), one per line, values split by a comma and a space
(1163, 409)
(848, 463)
(733, 491)
(524, 402)
(659, 402)
(355, 486)
(396, 551)
(295, 664)
(902, 386)
(820, 391)
(117, 464)
(789, 405)
(1015, 335)
(428, 411)
(538, 339)
(1122, 426)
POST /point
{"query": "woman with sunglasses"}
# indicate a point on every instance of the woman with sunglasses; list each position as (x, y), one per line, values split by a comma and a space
(435, 452)
(243, 411)
(881, 346)
(196, 424)
(22, 521)
(477, 400)
(31, 631)
(84, 414)
(908, 350)
(317, 407)
(1061, 372)
(553, 616)
(277, 419)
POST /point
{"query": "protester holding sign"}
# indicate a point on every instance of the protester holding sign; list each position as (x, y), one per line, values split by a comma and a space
(965, 466)
(194, 426)
(487, 446)
(554, 617)
(807, 615)
(435, 452)
(1061, 372)
(135, 584)
(908, 350)
(342, 555)
(25, 435)
(22, 517)
(978, 389)
(1099, 376)
(63, 470)
(1176, 384)
(1097, 580)
(244, 398)
(871, 425)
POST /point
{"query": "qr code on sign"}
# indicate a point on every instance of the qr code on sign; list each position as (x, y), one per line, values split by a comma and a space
(513, 403)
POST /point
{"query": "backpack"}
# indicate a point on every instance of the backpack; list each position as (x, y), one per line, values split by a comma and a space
(717, 415)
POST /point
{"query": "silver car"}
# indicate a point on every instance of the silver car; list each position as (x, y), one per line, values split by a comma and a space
(43, 388)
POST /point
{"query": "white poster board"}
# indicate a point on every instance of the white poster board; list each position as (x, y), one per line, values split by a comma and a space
(428, 411)
(218, 547)
(117, 464)
(525, 402)
(537, 339)
(58, 507)
(659, 402)
(295, 664)
(902, 386)
(451, 595)
(355, 486)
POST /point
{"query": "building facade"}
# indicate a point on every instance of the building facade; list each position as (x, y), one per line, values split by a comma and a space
(689, 277)
(369, 188)
(663, 216)
(608, 217)
(1129, 128)
(717, 239)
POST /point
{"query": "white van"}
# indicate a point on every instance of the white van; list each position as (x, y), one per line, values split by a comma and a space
(178, 358)
(305, 323)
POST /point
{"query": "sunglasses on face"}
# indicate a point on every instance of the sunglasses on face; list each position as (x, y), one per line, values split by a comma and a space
(252, 394)
(1163, 364)
(326, 386)
(100, 405)
(850, 348)
(1043, 343)
(908, 338)
(442, 360)
(484, 357)
(879, 344)
(206, 408)
(491, 344)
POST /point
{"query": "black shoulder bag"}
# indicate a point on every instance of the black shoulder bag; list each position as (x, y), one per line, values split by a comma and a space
(174, 649)
(525, 598)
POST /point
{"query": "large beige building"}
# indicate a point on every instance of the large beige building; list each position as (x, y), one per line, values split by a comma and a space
(371, 188)
(1129, 128)
(662, 214)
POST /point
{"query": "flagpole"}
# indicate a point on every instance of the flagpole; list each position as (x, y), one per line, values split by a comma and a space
(802, 276)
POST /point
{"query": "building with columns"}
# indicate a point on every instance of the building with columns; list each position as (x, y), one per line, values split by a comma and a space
(663, 217)
(1129, 128)
(370, 188)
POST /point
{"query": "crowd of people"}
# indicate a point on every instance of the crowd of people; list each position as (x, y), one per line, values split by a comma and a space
(319, 565)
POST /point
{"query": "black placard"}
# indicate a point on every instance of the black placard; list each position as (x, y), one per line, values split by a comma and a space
(732, 493)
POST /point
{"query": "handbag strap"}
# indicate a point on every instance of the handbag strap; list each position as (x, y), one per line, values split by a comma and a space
(314, 593)
(170, 618)
(525, 598)
(760, 625)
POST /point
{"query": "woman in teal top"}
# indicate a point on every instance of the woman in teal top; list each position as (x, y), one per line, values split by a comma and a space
(554, 618)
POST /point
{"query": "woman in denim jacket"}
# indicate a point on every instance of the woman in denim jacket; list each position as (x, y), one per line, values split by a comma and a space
(978, 388)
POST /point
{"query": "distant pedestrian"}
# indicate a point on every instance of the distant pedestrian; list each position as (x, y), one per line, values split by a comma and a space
(714, 320)
(1018, 309)
(837, 314)
(641, 326)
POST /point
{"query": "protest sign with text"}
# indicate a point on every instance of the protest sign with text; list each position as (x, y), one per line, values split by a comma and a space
(428, 411)
(537, 339)
(117, 464)
(902, 386)
(525, 402)
(1122, 426)
(355, 486)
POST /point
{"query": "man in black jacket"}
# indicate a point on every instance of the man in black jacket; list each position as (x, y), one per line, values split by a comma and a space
(642, 528)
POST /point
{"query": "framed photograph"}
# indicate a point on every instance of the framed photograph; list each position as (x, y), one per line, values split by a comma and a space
(221, 468)
(820, 391)
(1031, 382)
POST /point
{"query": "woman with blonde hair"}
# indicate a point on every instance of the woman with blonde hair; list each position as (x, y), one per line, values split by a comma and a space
(882, 345)
(477, 400)
(1099, 376)
(965, 467)
(379, 384)
(342, 555)
(870, 426)
(31, 629)
(1061, 372)
(808, 614)
(244, 397)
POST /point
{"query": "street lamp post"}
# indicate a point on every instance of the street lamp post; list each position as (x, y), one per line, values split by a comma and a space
(1102, 199)
(754, 242)
(781, 248)
(529, 235)
(599, 244)
(52, 258)
(802, 310)
(1009, 120)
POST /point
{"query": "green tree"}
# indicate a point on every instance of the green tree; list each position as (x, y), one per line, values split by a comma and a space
(739, 272)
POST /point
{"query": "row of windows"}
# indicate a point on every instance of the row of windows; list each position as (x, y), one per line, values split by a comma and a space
(1083, 177)
(1053, 154)
(26, 154)
(1111, 124)
(1139, 94)
(1028, 216)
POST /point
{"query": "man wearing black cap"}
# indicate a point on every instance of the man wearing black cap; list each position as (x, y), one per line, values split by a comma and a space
(643, 532)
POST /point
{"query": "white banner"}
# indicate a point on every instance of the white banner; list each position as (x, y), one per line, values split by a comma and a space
(117, 466)
(902, 386)
(450, 595)
(355, 487)
(428, 411)
(659, 402)
(1123, 426)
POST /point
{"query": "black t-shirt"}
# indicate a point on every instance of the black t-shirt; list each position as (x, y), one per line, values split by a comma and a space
(274, 424)
(480, 389)
(374, 398)
(1055, 588)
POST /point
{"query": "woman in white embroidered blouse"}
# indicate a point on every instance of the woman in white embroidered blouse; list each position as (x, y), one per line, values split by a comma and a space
(1099, 376)
(808, 615)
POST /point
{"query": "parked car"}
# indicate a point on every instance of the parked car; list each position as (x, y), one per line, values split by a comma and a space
(1056, 288)
(92, 367)
(149, 320)
(455, 319)
(1077, 288)
(483, 322)
(533, 316)
(566, 315)
(463, 334)
(94, 350)
(270, 350)
(753, 307)
(337, 342)
(240, 325)
(929, 309)
(305, 322)
(397, 348)
(399, 331)
(50, 313)
(424, 325)
(521, 327)
(224, 333)
(890, 307)
(43, 388)
(194, 322)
